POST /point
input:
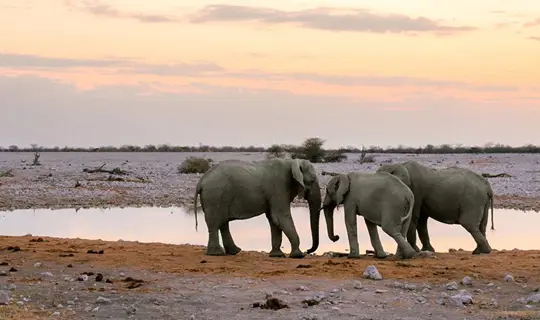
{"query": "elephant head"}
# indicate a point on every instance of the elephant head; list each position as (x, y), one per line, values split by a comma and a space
(397, 170)
(309, 189)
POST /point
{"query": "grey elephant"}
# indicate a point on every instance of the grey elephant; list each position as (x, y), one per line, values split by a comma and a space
(237, 190)
(452, 195)
(382, 199)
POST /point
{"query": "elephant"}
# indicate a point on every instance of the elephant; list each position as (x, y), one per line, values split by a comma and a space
(382, 199)
(451, 195)
(237, 190)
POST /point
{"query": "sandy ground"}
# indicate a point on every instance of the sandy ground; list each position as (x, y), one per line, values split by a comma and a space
(52, 185)
(158, 281)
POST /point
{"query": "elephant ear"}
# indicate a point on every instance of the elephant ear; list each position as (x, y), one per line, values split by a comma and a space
(298, 176)
(342, 186)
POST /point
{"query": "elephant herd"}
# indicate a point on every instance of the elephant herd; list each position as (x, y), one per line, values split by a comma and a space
(399, 198)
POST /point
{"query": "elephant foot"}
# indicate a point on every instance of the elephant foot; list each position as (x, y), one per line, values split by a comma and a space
(296, 254)
(276, 254)
(427, 248)
(233, 250)
(353, 256)
(415, 247)
(215, 251)
(381, 255)
(480, 250)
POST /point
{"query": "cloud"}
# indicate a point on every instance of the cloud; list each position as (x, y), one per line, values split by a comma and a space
(331, 19)
(96, 7)
(59, 114)
(27, 61)
(532, 23)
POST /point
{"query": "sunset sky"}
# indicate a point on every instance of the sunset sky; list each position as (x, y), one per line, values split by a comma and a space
(385, 72)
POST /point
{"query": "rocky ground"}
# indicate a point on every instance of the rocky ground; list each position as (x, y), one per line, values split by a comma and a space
(153, 178)
(58, 278)
(83, 279)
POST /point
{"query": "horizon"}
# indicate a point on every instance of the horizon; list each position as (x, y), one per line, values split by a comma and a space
(228, 73)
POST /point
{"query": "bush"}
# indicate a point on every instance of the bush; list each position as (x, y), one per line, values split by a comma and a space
(336, 156)
(310, 150)
(365, 157)
(275, 151)
(195, 165)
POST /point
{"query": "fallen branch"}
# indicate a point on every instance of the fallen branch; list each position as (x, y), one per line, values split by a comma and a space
(326, 173)
(499, 175)
(116, 170)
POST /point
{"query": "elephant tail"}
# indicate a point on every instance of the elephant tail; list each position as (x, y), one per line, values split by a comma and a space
(408, 208)
(198, 190)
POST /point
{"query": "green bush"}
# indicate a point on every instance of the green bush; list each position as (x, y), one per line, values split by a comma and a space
(336, 156)
(195, 165)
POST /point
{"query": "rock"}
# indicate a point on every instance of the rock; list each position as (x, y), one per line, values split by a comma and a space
(4, 297)
(12, 287)
(38, 264)
(452, 250)
(466, 281)
(425, 290)
(372, 273)
(490, 284)
(420, 299)
(20, 303)
(99, 277)
(426, 254)
(3, 273)
(96, 309)
(451, 286)
(508, 278)
(302, 288)
(462, 298)
(380, 291)
(534, 299)
(56, 314)
(82, 277)
(102, 300)
(271, 304)
(46, 274)
(70, 303)
(131, 310)
(358, 285)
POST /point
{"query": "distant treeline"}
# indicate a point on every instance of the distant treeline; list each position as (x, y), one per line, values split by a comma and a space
(429, 149)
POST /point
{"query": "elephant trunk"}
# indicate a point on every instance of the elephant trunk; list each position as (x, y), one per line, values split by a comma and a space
(329, 216)
(314, 201)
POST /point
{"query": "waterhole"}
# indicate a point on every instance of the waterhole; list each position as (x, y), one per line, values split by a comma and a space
(513, 228)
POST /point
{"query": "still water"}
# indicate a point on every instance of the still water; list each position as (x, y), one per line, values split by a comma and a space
(513, 228)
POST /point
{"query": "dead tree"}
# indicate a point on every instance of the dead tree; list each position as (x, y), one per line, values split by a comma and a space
(36, 159)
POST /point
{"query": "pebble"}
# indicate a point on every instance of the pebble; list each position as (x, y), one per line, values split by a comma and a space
(4, 297)
(380, 291)
(534, 299)
(372, 273)
(466, 281)
(131, 310)
(56, 314)
(82, 277)
(302, 288)
(508, 278)
(38, 264)
(103, 300)
(451, 286)
(358, 285)
(47, 274)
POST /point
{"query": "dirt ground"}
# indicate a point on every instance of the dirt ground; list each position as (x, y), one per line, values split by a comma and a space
(191, 285)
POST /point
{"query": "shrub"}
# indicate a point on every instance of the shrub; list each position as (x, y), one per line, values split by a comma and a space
(275, 151)
(365, 157)
(336, 156)
(195, 165)
(310, 150)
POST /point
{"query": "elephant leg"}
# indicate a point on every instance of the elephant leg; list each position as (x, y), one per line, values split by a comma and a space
(213, 248)
(484, 222)
(277, 238)
(286, 224)
(482, 245)
(228, 242)
(352, 232)
(423, 233)
(375, 240)
(404, 250)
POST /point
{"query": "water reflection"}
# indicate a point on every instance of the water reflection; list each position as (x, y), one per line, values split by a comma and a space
(514, 229)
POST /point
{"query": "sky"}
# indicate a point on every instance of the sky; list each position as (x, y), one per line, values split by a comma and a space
(373, 72)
